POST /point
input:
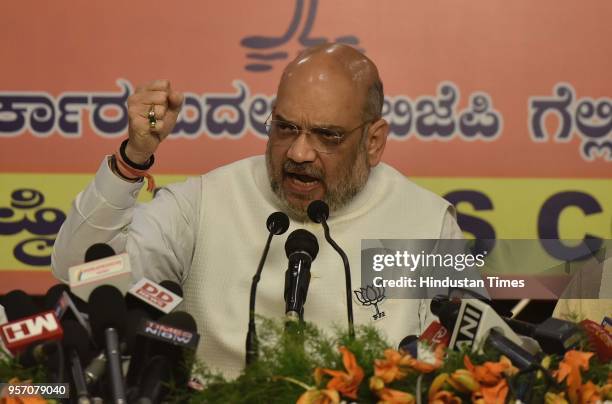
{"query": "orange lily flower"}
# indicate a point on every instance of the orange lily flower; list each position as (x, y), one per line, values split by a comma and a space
(390, 396)
(492, 394)
(569, 368)
(490, 375)
(490, 372)
(391, 368)
(347, 382)
(426, 367)
(589, 394)
(315, 396)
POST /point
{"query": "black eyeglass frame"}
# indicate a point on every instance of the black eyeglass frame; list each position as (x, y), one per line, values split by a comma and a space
(335, 136)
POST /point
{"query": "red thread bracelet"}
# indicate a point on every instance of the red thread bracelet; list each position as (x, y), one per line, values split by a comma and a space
(125, 168)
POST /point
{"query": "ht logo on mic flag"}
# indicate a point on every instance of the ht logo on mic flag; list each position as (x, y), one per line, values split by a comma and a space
(371, 296)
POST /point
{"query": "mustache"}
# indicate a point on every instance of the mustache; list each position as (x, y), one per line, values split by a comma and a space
(308, 169)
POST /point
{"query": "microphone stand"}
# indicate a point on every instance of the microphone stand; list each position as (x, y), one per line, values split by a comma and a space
(252, 347)
(277, 224)
(347, 277)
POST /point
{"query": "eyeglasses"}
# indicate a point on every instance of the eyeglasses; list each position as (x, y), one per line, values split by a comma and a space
(323, 140)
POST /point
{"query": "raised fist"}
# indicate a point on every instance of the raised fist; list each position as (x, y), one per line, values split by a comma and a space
(156, 96)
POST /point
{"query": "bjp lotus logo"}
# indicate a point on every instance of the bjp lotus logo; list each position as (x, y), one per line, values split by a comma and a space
(371, 296)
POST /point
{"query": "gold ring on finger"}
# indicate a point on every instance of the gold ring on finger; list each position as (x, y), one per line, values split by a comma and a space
(151, 116)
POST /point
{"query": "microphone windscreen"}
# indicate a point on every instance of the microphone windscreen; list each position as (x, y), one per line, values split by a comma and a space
(302, 240)
(181, 320)
(134, 319)
(277, 223)
(446, 310)
(53, 295)
(106, 310)
(409, 344)
(175, 354)
(18, 304)
(98, 251)
(172, 287)
(76, 338)
(80, 304)
(318, 211)
(148, 348)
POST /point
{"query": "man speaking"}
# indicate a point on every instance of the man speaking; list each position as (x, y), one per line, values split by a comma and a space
(326, 140)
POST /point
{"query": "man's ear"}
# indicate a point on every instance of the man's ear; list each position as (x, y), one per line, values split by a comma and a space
(376, 141)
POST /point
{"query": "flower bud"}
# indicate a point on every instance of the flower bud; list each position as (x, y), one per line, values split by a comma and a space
(376, 383)
(465, 379)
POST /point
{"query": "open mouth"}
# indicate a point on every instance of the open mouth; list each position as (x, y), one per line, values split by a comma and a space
(307, 179)
(301, 184)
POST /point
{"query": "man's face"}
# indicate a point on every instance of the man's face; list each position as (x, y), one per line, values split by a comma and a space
(298, 172)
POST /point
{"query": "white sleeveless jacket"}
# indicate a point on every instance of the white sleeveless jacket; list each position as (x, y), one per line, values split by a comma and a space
(236, 201)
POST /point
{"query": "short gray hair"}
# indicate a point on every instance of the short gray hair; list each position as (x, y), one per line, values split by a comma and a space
(374, 101)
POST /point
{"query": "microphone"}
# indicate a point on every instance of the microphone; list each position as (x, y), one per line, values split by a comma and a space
(38, 353)
(423, 347)
(55, 294)
(476, 324)
(409, 344)
(32, 335)
(277, 224)
(168, 341)
(301, 249)
(98, 251)
(554, 336)
(108, 318)
(95, 369)
(18, 304)
(154, 298)
(27, 328)
(76, 344)
(136, 345)
(114, 270)
(146, 300)
(318, 212)
(66, 305)
(172, 287)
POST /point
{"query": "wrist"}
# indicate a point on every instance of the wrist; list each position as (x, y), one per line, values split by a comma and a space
(112, 164)
(130, 169)
(131, 164)
(135, 156)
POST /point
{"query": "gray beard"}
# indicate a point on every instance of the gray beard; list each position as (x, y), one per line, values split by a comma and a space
(351, 182)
